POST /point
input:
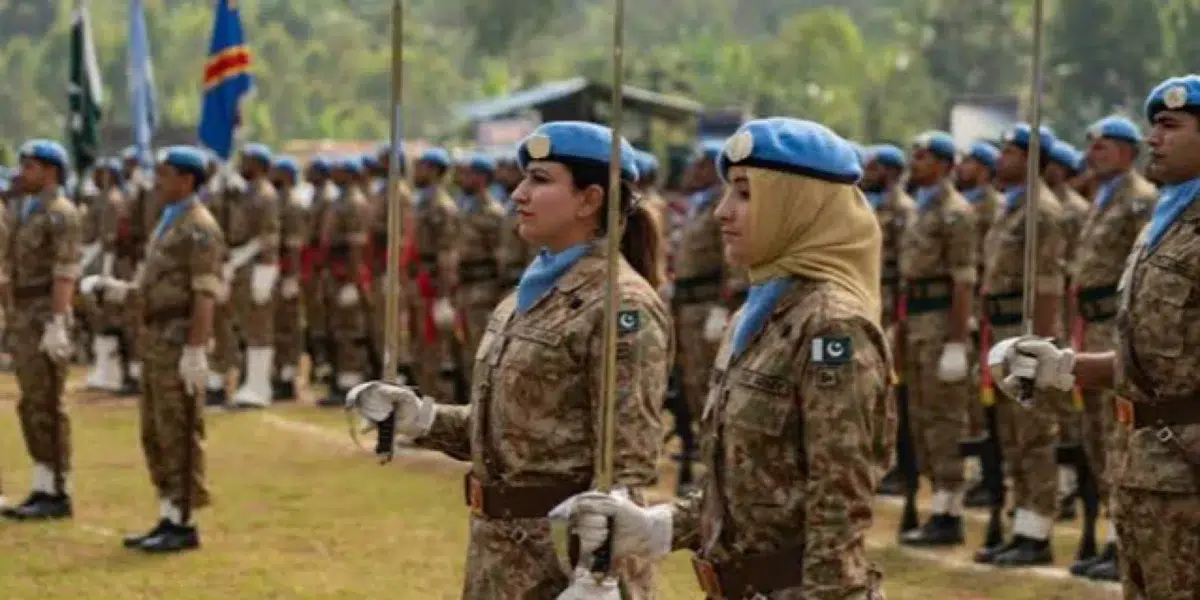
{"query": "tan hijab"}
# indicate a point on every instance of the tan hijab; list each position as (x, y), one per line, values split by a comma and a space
(817, 229)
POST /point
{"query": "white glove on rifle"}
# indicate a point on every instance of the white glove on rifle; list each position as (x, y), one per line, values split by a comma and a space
(56, 343)
(193, 369)
(714, 325)
(115, 290)
(1034, 359)
(637, 531)
(375, 400)
(952, 366)
(262, 282)
(348, 295)
(443, 313)
(289, 287)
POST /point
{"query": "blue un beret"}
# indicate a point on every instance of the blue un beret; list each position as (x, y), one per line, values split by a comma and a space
(860, 152)
(940, 143)
(350, 163)
(1019, 137)
(887, 155)
(321, 164)
(1065, 154)
(47, 151)
(1175, 93)
(288, 165)
(437, 157)
(985, 153)
(576, 141)
(129, 153)
(1115, 127)
(647, 164)
(188, 159)
(791, 146)
(258, 152)
(370, 161)
(112, 165)
(482, 163)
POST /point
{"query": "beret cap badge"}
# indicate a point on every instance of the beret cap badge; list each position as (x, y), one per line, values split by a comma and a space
(739, 147)
(538, 146)
(1176, 97)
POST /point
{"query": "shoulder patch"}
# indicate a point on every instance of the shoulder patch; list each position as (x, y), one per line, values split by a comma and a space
(629, 321)
(836, 350)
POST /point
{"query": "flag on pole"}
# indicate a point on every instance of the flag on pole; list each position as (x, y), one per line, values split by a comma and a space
(143, 100)
(227, 80)
(84, 91)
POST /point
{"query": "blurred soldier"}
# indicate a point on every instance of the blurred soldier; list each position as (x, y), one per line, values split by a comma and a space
(433, 266)
(800, 415)
(45, 251)
(1122, 207)
(253, 236)
(938, 258)
(1027, 436)
(377, 222)
(312, 259)
(295, 201)
(223, 191)
(481, 220)
(649, 197)
(347, 281)
(529, 431)
(1156, 459)
(143, 214)
(111, 211)
(179, 286)
(516, 253)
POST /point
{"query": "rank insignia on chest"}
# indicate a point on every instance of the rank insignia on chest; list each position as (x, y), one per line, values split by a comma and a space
(628, 321)
(832, 350)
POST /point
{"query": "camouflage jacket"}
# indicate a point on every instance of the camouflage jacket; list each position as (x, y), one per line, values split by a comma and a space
(184, 260)
(938, 242)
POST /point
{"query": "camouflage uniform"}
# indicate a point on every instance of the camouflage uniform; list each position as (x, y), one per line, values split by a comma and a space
(481, 220)
(531, 429)
(986, 206)
(433, 271)
(312, 281)
(293, 233)
(255, 218)
(143, 215)
(938, 250)
(1027, 437)
(45, 246)
(221, 195)
(894, 214)
(378, 224)
(795, 440)
(184, 261)
(345, 229)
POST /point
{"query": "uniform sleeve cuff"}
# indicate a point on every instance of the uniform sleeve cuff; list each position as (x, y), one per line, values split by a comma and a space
(1051, 284)
(68, 271)
(210, 284)
(964, 275)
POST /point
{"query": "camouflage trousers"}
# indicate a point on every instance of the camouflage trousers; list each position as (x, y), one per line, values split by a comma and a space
(172, 422)
(1098, 418)
(874, 592)
(289, 334)
(316, 316)
(348, 326)
(696, 355)
(225, 352)
(255, 323)
(1159, 541)
(517, 559)
(937, 416)
(44, 421)
(132, 321)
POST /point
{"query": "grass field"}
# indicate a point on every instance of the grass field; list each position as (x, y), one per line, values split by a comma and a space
(301, 512)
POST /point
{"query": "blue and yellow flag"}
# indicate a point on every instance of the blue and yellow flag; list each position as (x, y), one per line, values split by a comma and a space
(227, 80)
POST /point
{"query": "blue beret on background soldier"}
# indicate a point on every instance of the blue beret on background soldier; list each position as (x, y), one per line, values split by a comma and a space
(44, 237)
(529, 430)
(1156, 470)
(800, 418)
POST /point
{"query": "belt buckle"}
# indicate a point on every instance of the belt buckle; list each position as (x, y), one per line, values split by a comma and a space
(1164, 434)
(475, 496)
(706, 576)
(1123, 411)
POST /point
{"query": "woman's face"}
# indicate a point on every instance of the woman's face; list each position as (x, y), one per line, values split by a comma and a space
(550, 211)
(733, 213)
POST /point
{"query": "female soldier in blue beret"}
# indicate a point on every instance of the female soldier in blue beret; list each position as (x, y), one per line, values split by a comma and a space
(799, 421)
(531, 429)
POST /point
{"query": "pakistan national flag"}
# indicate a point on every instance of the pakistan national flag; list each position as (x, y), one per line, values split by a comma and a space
(84, 90)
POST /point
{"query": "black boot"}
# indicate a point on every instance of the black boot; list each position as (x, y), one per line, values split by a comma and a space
(129, 387)
(283, 391)
(335, 399)
(987, 555)
(135, 541)
(939, 530)
(173, 538)
(977, 496)
(40, 506)
(1080, 568)
(1109, 570)
(892, 484)
(215, 398)
(1029, 553)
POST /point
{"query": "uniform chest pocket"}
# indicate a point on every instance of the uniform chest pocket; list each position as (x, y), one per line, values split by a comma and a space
(760, 402)
(536, 352)
(1167, 299)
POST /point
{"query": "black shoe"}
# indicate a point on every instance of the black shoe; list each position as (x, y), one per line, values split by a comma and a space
(1109, 570)
(939, 530)
(977, 496)
(987, 555)
(1029, 553)
(173, 538)
(130, 387)
(1080, 568)
(215, 398)
(283, 391)
(335, 399)
(1067, 508)
(40, 506)
(135, 541)
(892, 484)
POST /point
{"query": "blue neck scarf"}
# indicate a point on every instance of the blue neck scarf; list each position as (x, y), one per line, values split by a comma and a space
(32, 203)
(875, 199)
(759, 304)
(1105, 193)
(468, 203)
(544, 272)
(169, 214)
(973, 195)
(1011, 196)
(1172, 201)
(926, 196)
(699, 201)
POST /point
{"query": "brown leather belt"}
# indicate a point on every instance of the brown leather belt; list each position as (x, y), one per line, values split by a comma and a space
(165, 315)
(931, 294)
(1098, 304)
(494, 501)
(28, 292)
(750, 575)
(1136, 415)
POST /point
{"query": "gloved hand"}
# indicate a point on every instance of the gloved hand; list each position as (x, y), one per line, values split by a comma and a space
(952, 366)
(1031, 358)
(56, 343)
(637, 531)
(228, 270)
(585, 587)
(348, 295)
(443, 313)
(375, 400)
(289, 287)
(114, 290)
(91, 284)
(714, 325)
(193, 369)
(262, 282)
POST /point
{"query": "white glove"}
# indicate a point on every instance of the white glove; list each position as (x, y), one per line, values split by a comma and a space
(375, 400)
(585, 587)
(193, 369)
(56, 343)
(228, 270)
(443, 313)
(242, 255)
(91, 284)
(89, 254)
(115, 290)
(637, 531)
(262, 282)
(1030, 358)
(348, 295)
(289, 287)
(952, 366)
(714, 325)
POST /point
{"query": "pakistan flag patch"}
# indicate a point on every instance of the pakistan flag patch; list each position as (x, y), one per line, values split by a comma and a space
(832, 350)
(628, 321)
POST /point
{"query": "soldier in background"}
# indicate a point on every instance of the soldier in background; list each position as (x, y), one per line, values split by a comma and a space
(649, 197)
(481, 221)
(295, 201)
(111, 212)
(312, 280)
(143, 215)
(378, 220)
(516, 253)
